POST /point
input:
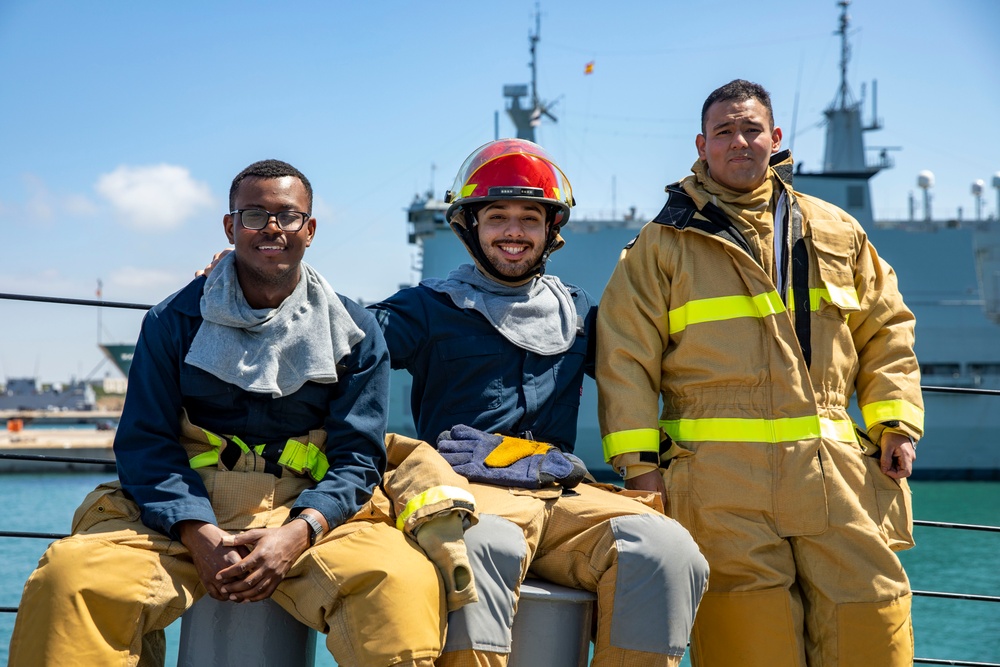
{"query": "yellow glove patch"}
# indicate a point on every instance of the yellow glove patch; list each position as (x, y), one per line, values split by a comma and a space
(512, 450)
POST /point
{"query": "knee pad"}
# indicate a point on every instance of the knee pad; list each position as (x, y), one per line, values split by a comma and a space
(750, 628)
(497, 551)
(875, 633)
(661, 579)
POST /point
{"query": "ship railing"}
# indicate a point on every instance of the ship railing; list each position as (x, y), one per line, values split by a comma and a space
(969, 597)
(54, 459)
(882, 161)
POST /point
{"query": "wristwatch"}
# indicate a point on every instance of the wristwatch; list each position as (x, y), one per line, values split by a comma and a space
(315, 527)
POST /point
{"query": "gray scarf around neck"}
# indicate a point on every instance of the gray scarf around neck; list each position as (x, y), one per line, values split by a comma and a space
(272, 350)
(539, 316)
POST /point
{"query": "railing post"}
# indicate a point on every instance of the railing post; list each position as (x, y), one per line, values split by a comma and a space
(227, 634)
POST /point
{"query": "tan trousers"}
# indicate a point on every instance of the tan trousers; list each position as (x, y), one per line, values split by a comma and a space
(802, 572)
(96, 594)
(570, 541)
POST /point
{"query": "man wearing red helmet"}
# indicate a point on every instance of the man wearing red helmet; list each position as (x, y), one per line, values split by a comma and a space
(501, 347)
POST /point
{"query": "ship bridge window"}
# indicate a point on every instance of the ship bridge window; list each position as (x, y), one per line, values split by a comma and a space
(855, 196)
(984, 369)
(949, 370)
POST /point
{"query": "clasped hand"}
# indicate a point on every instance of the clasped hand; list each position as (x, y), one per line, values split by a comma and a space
(246, 567)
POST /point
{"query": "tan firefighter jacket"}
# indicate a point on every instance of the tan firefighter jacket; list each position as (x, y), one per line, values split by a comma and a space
(690, 316)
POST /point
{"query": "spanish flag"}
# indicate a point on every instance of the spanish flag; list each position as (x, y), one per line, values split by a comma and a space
(589, 68)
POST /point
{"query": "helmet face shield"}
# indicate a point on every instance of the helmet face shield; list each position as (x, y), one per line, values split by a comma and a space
(511, 169)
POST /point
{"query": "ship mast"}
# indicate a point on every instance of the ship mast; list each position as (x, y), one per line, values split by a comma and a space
(843, 100)
(846, 170)
(845, 147)
(526, 119)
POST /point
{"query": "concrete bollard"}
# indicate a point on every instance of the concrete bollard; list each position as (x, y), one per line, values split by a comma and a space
(552, 626)
(226, 634)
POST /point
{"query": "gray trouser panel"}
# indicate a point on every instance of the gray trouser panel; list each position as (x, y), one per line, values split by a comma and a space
(661, 578)
(497, 551)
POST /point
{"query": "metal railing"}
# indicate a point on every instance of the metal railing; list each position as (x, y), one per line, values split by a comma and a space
(916, 593)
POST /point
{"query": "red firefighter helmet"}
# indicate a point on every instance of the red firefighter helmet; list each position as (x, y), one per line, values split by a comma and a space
(511, 169)
(508, 169)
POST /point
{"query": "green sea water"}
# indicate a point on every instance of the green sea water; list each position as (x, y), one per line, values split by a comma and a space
(945, 560)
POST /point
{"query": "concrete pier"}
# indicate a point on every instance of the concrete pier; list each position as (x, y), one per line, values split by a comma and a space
(69, 443)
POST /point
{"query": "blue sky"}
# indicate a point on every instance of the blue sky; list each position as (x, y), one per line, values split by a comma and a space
(123, 123)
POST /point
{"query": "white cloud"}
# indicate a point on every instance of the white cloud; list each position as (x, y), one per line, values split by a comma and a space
(156, 198)
(41, 207)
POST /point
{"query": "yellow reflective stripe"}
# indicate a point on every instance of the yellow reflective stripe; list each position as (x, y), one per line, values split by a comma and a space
(841, 430)
(211, 457)
(635, 440)
(468, 189)
(883, 411)
(205, 459)
(214, 440)
(242, 445)
(433, 495)
(815, 294)
(302, 457)
(719, 308)
(788, 429)
(297, 457)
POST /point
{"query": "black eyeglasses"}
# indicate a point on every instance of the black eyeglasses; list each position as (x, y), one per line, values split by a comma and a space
(257, 218)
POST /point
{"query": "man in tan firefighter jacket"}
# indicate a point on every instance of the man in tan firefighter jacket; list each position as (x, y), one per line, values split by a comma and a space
(755, 312)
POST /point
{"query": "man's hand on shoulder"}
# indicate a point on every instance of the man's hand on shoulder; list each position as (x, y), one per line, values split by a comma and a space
(215, 261)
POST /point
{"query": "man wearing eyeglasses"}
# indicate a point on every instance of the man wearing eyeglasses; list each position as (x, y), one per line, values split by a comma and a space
(249, 446)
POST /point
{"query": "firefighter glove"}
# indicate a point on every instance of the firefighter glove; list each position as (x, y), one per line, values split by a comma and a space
(506, 461)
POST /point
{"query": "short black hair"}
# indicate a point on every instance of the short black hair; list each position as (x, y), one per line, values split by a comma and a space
(269, 169)
(739, 90)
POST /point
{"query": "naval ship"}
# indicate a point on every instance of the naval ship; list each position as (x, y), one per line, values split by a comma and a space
(948, 271)
(23, 394)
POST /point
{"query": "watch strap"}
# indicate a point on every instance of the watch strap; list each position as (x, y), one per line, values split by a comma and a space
(315, 527)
